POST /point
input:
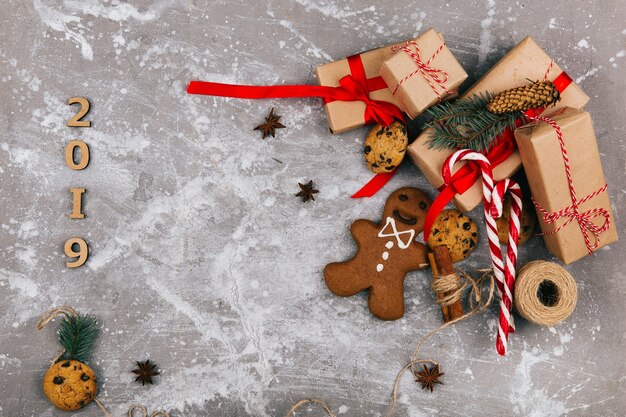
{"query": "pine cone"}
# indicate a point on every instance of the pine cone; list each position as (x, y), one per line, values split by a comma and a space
(531, 96)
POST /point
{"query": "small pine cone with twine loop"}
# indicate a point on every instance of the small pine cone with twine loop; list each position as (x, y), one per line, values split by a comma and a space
(532, 96)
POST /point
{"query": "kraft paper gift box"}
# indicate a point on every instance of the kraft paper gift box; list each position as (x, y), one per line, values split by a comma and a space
(526, 61)
(543, 162)
(347, 115)
(418, 90)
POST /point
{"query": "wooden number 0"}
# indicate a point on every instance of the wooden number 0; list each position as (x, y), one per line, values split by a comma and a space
(80, 255)
(84, 155)
(84, 109)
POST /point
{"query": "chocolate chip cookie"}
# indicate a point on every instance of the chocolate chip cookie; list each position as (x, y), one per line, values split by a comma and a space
(385, 147)
(456, 231)
(69, 385)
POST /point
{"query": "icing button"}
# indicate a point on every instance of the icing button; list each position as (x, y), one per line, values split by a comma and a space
(389, 245)
(385, 256)
(379, 267)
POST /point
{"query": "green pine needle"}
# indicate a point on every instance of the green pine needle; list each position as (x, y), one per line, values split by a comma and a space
(467, 124)
(78, 337)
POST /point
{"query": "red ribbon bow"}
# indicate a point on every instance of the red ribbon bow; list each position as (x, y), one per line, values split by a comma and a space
(354, 89)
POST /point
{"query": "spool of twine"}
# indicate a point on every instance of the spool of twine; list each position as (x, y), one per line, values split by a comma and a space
(545, 293)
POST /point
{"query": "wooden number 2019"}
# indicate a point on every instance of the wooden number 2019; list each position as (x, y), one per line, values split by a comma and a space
(76, 247)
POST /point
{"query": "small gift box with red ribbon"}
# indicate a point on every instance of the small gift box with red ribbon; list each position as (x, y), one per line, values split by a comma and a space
(422, 73)
(561, 160)
(359, 74)
(526, 61)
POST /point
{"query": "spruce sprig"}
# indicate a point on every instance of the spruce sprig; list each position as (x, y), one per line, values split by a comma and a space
(467, 124)
(77, 335)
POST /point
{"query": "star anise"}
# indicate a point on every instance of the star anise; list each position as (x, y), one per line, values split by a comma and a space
(271, 124)
(307, 191)
(145, 371)
(429, 377)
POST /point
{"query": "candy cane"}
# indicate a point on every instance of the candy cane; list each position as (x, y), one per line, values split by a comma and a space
(493, 197)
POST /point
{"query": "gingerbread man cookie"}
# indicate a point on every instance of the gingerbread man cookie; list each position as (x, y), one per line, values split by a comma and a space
(386, 252)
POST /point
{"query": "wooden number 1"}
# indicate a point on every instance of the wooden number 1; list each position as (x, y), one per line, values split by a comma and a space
(80, 255)
(84, 109)
(77, 203)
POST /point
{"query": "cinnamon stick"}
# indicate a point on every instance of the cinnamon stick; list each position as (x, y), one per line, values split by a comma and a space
(433, 266)
(441, 265)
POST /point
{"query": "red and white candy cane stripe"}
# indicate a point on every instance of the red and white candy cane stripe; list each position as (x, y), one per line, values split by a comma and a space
(493, 197)
(429, 73)
(584, 219)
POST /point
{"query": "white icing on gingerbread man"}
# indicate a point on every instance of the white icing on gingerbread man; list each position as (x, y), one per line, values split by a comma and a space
(398, 235)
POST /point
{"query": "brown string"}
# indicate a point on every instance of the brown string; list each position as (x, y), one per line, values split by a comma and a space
(104, 410)
(457, 282)
(131, 411)
(49, 315)
(449, 288)
(309, 401)
(144, 411)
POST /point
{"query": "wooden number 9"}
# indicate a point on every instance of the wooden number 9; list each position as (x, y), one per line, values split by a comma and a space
(81, 254)
(84, 109)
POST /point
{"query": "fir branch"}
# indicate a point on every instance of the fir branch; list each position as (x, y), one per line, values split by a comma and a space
(78, 337)
(467, 124)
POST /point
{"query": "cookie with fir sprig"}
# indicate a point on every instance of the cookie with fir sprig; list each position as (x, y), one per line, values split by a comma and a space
(70, 383)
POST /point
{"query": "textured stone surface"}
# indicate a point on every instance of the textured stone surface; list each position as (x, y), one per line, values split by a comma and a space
(202, 258)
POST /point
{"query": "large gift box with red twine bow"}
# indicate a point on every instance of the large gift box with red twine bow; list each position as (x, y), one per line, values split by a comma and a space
(562, 163)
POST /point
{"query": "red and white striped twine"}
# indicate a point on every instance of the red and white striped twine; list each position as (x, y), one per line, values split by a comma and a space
(493, 197)
(584, 219)
(431, 75)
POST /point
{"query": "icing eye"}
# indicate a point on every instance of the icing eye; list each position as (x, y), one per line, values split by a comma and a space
(403, 197)
(422, 205)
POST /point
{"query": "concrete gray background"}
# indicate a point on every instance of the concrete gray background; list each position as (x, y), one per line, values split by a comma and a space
(202, 258)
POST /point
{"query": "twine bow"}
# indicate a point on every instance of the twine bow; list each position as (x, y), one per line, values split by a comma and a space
(572, 212)
(431, 75)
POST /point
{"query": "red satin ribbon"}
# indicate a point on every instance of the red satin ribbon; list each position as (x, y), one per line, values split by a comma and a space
(374, 184)
(353, 87)
(466, 176)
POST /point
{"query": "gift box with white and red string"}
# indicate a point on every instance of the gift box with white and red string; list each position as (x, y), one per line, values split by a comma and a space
(561, 160)
(422, 73)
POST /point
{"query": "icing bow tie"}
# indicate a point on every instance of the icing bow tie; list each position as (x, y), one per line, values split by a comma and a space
(398, 235)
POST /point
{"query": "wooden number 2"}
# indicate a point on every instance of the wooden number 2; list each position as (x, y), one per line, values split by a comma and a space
(80, 255)
(84, 109)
